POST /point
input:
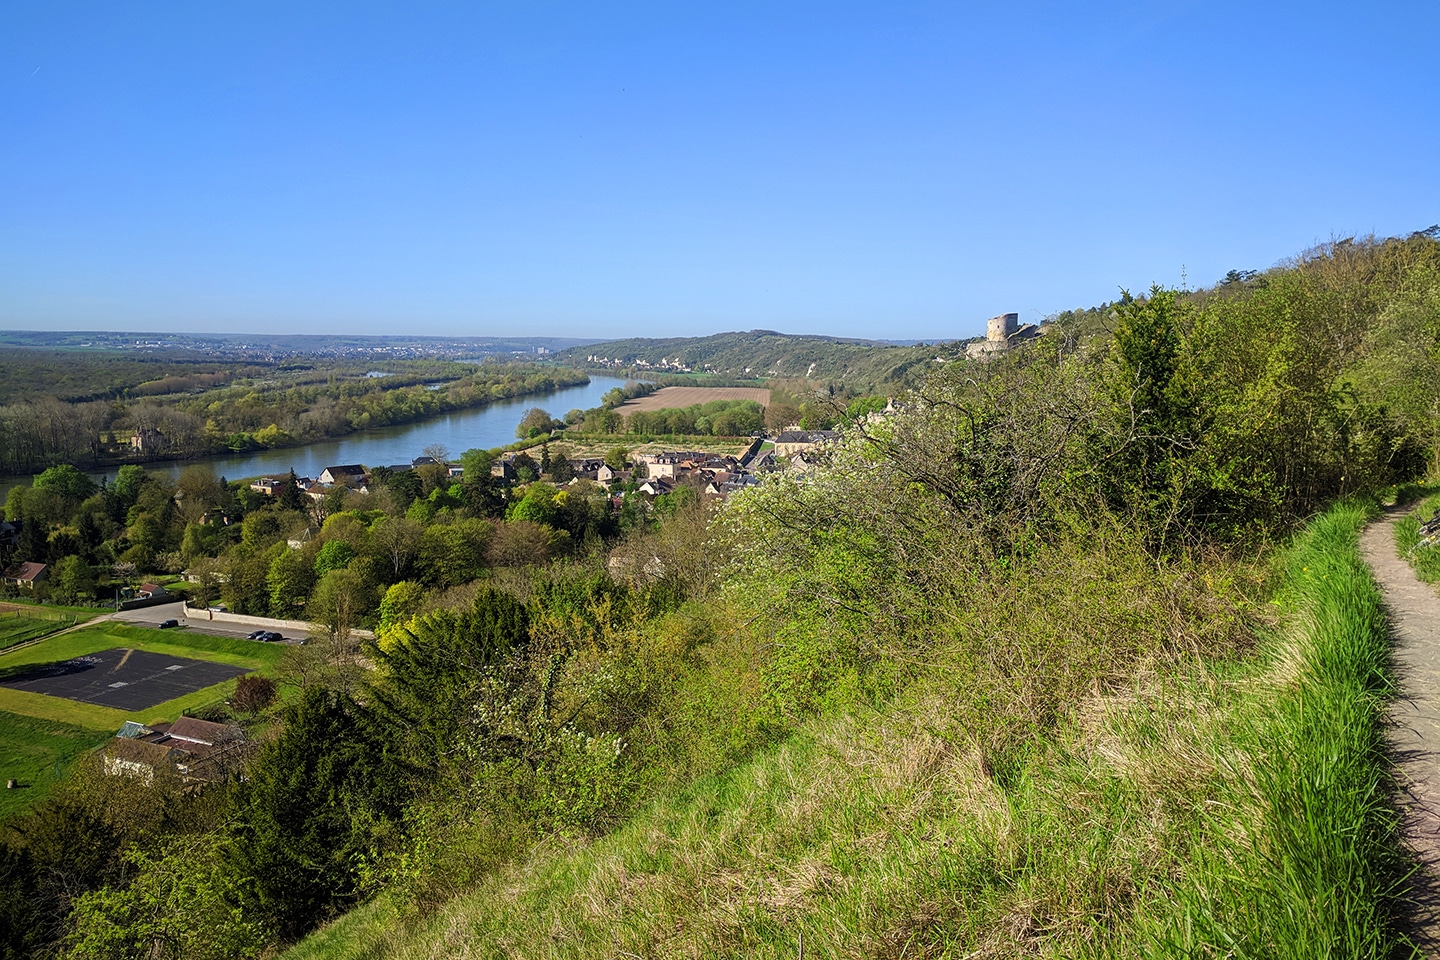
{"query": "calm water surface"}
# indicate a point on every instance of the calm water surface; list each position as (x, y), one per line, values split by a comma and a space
(483, 428)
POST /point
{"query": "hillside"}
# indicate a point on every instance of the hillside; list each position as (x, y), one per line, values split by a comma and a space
(861, 365)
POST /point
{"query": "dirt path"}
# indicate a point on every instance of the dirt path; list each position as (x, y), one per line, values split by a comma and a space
(1413, 609)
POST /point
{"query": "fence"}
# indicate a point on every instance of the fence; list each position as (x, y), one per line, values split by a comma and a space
(35, 612)
(23, 626)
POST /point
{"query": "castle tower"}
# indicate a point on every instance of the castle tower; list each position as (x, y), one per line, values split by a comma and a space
(1000, 328)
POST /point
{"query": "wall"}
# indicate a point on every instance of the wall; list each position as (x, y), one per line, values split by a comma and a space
(294, 626)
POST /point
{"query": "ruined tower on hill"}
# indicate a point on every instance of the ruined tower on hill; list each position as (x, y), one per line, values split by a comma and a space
(1002, 333)
(1000, 328)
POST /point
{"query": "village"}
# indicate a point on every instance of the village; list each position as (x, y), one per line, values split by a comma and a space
(652, 473)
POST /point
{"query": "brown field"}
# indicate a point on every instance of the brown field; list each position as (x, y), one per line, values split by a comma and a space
(676, 398)
(582, 447)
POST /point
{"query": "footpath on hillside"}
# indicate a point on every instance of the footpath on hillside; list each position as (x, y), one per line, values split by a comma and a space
(1413, 608)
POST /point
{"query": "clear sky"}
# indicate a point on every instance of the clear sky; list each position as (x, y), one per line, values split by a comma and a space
(889, 169)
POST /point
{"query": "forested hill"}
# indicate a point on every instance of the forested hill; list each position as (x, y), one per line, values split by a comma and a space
(861, 364)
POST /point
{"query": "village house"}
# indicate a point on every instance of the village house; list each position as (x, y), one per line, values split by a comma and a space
(792, 442)
(349, 475)
(192, 748)
(657, 487)
(607, 474)
(25, 574)
(586, 468)
(738, 482)
(147, 440)
(150, 591)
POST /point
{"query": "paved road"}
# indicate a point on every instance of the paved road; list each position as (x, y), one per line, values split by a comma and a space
(1413, 608)
(152, 616)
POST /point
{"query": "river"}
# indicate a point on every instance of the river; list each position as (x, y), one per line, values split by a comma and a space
(481, 427)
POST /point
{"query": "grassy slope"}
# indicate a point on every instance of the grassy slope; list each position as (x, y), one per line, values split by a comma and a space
(18, 629)
(1237, 810)
(37, 753)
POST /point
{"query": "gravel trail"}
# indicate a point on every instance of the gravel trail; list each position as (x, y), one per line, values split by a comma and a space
(1413, 609)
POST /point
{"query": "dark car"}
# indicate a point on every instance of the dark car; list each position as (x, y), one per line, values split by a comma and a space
(257, 635)
(273, 637)
(167, 624)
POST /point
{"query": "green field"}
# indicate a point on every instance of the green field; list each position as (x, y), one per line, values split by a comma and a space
(37, 753)
(22, 622)
(15, 628)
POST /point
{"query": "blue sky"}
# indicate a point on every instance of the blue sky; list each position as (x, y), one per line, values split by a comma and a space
(900, 170)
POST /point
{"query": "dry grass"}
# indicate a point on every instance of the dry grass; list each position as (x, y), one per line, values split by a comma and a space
(582, 446)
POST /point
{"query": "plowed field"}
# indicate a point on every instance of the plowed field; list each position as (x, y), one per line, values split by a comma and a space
(675, 398)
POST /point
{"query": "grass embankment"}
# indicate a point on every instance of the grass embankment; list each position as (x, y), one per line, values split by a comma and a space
(1231, 808)
(16, 628)
(20, 623)
(41, 735)
(37, 753)
(1424, 559)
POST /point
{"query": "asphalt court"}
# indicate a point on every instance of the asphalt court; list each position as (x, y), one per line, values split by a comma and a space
(123, 679)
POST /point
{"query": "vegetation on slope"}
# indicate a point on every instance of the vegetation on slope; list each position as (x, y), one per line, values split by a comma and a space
(1414, 546)
(860, 365)
(1179, 813)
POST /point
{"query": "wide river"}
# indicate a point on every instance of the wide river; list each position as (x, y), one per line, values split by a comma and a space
(481, 427)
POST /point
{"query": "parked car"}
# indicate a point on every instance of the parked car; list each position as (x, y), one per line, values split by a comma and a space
(167, 624)
(257, 635)
(273, 637)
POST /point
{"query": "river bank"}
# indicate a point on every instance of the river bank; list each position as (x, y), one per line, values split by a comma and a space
(484, 427)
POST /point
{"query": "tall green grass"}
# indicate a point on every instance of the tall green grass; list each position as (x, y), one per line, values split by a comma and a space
(1424, 559)
(1297, 851)
(1226, 808)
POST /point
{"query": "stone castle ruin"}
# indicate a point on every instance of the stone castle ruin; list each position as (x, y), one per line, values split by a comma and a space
(1002, 334)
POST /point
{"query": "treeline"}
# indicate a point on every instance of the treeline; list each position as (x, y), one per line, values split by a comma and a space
(476, 587)
(718, 418)
(790, 405)
(270, 413)
(28, 373)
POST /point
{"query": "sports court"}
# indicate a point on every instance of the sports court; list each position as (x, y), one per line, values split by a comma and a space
(121, 678)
